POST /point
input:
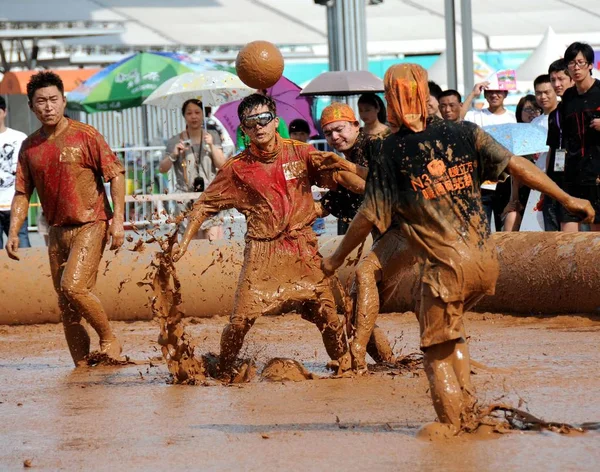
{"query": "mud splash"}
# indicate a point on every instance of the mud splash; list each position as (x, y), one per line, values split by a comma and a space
(177, 346)
(166, 303)
(97, 358)
(503, 418)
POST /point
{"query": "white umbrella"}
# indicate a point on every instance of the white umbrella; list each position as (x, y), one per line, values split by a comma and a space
(212, 88)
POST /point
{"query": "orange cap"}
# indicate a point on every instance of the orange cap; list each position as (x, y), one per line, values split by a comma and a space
(337, 112)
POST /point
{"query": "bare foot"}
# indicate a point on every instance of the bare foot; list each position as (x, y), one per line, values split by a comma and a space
(111, 347)
(344, 363)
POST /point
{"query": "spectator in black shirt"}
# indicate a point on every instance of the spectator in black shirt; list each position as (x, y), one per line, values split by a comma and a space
(554, 213)
(580, 121)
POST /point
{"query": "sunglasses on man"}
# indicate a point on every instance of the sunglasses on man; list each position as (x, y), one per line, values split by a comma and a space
(262, 119)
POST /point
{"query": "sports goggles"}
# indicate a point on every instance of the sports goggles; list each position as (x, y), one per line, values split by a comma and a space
(262, 119)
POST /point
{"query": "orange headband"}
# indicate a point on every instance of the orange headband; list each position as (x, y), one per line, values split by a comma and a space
(407, 93)
(337, 112)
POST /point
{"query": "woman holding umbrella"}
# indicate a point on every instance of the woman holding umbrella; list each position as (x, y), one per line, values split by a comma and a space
(195, 155)
(527, 111)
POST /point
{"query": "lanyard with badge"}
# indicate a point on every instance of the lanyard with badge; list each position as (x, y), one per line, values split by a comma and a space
(561, 153)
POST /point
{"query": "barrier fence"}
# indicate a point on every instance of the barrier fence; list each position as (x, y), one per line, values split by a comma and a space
(150, 195)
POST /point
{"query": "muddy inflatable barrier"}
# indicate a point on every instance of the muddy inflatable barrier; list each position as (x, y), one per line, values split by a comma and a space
(540, 273)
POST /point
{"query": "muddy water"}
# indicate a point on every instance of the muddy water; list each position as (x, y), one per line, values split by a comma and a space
(129, 417)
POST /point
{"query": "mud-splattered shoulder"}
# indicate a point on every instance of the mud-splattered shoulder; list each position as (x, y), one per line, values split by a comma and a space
(467, 126)
(31, 140)
(32, 137)
(236, 159)
(88, 130)
(298, 146)
(300, 149)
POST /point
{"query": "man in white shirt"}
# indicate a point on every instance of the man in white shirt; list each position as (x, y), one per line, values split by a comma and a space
(495, 114)
(494, 201)
(10, 144)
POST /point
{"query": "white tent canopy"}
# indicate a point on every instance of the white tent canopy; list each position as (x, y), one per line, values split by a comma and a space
(549, 50)
(394, 26)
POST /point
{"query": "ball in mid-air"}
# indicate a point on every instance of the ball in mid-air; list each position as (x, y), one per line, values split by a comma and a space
(259, 64)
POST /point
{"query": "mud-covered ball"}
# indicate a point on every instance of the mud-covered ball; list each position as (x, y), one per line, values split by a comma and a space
(259, 64)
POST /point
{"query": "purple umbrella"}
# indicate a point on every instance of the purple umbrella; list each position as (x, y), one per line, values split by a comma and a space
(290, 105)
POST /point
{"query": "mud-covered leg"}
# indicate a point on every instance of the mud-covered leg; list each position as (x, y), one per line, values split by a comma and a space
(462, 369)
(446, 359)
(77, 337)
(462, 359)
(375, 280)
(445, 388)
(79, 279)
(366, 309)
(232, 340)
(379, 347)
(323, 314)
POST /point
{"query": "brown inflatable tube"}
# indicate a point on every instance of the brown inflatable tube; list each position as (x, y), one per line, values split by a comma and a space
(539, 273)
(209, 273)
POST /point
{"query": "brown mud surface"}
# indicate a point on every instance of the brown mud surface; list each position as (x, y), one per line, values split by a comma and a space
(129, 417)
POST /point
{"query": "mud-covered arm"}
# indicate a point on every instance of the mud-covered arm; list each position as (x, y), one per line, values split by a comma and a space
(376, 210)
(223, 193)
(476, 92)
(496, 161)
(357, 232)
(320, 210)
(18, 214)
(117, 194)
(108, 165)
(351, 181)
(530, 175)
(24, 187)
(323, 160)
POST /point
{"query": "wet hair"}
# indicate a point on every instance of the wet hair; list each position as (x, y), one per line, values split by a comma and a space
(195, 101)
(250, 102)
(541, 79)
(524, 100)
(299, 126)
(576, 48)
(44, 79)
(451, 93)
(376, 102)
(557, 66)
(434, 90)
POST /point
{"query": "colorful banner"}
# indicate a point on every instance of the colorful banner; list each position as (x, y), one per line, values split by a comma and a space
(507, 79)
